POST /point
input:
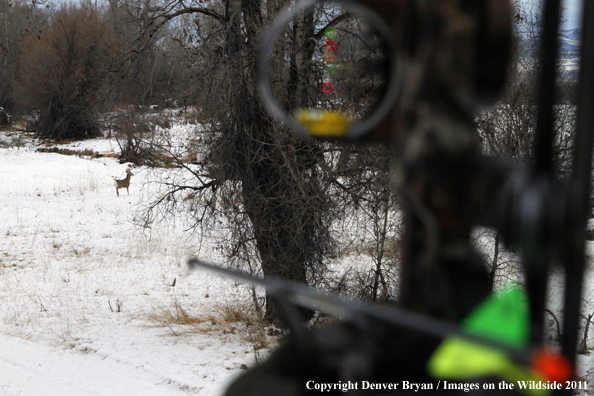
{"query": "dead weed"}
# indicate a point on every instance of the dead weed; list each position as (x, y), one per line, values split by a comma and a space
(224, 317)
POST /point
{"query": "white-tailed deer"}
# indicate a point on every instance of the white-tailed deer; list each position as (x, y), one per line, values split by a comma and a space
(124, 183)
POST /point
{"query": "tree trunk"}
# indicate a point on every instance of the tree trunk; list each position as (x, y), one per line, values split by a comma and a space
(274, 197)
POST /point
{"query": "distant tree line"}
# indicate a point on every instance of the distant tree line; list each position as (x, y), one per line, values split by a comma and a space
(68, 63)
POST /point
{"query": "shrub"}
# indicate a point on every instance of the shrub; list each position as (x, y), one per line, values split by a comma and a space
(64, 70)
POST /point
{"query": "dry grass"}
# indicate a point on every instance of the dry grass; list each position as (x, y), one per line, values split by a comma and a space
(221, 317)
(175, 314)
(224, 317)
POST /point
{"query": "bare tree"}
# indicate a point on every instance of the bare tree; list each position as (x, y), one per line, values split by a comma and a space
(153, 65)
(370, 216)
(17, 19)
(507, 129)
(259, 176)
(63, 71)
(277, 194)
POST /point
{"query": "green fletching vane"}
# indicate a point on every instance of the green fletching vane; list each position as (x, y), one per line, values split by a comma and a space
(502, 317)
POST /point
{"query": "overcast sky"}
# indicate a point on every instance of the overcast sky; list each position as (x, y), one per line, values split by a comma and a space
(572, 14)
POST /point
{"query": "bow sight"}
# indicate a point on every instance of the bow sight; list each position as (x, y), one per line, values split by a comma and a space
(413, 73)
(455, 53)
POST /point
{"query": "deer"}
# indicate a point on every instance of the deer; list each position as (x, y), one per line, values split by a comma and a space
(124, 183)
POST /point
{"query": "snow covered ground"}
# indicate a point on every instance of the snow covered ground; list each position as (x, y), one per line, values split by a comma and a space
(93, 304)
(87, 302)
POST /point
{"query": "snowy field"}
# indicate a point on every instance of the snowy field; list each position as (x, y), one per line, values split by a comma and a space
(93, 304)
(87, 305)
